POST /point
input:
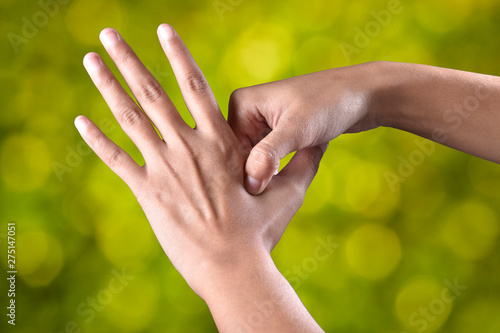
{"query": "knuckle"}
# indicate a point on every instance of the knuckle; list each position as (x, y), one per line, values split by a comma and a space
(236, 98)
(150, 91)
(130, 116)
(196, 82)
(115, 159)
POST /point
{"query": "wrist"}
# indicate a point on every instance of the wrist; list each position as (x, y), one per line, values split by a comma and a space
(386, 98)
(237, 264)
(396, 98)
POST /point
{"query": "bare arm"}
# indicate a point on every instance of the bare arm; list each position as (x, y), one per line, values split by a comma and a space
(455, 108)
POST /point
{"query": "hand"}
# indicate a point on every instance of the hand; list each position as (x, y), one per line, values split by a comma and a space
(280, 117)
(191, 186)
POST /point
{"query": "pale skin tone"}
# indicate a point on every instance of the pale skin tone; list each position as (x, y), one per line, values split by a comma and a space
(192, 185)
(191, 188)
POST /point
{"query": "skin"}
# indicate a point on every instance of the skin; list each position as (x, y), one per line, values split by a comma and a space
(455, 108)
(191, 188)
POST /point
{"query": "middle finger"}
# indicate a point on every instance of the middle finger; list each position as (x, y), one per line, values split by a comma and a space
(146, 89)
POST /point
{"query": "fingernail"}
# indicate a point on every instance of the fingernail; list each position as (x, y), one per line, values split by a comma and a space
(92, 62)
(253, 184)
(109, 37)
(80, 124)
(166, 31)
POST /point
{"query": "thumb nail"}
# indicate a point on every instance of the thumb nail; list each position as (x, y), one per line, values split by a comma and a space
(253, 185)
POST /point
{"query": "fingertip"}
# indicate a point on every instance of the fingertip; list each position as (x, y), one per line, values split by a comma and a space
(109, 36)
(81, 123)
(166, 31)
(105, 30)
(92, 62)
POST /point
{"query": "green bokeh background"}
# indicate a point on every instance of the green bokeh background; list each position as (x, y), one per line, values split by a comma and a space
(395, 246)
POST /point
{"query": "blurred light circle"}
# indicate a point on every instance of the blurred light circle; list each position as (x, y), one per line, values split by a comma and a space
(373, 251)
(259, 55)
(363, 187)
(423, 305)
(470, 230)
(39, 257)
(25, 162)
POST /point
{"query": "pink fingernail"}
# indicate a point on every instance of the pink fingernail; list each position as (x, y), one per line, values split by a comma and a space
(92, 62)
(81, 124)
(253, 184)
(166, 31)
(109, 37)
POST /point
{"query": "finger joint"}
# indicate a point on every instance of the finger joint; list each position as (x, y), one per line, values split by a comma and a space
(115, 160)
(131, 117)
(150, 91)
(196, 83)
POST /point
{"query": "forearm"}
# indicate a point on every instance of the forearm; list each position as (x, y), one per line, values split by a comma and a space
(455, 108)
(255, 297)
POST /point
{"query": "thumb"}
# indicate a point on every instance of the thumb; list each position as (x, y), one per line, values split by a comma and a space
(264, 159)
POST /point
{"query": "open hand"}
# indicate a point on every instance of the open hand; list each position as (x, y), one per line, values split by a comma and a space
(191, 186)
